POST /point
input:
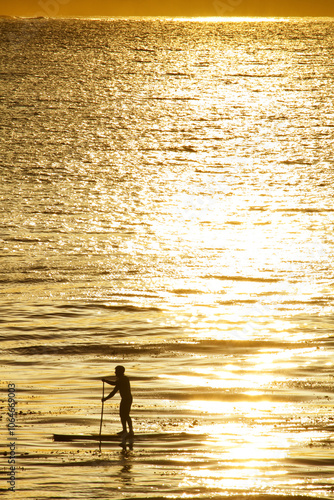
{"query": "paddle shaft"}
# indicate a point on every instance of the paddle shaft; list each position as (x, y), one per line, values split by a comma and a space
(101, 415)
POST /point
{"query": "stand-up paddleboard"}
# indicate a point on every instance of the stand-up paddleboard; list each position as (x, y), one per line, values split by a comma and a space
(122, 441)
(114, 438)
(88, 437)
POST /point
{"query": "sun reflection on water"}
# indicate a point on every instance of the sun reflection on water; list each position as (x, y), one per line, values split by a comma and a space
(248, 449)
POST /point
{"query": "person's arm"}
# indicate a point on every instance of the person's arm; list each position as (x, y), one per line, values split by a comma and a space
(111, 395)
(108, 381)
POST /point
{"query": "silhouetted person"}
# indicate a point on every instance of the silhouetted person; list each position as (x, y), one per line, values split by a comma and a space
(122, 385)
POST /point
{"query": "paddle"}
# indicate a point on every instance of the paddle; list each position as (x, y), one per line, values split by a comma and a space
(101, 417)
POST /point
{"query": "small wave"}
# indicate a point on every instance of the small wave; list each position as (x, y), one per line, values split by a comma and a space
(173, 99)
(229, 345)
(25, 337)
(242, 278)
(239, 394)
(144, 50)
(296, 162)
(24, 240)
(111, 307)
(189, 149)
(45, 279)
(185, 291)
(176, 73)
(33, 362)
(86, 349)
(236, 302)
(124, 349)
(127, 294)
(314, 461)
(306, 210)
(319, 302)
(254, 75)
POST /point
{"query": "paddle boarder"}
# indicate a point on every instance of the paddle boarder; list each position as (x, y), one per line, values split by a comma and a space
(122, 385)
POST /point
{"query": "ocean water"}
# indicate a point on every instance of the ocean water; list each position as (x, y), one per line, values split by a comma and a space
(167, 204)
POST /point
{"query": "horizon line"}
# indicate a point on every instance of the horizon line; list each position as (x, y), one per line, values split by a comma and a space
(185, 18)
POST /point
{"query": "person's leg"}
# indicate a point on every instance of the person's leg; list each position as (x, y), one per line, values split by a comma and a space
(129, 419)
(123, 415)
(125, 408)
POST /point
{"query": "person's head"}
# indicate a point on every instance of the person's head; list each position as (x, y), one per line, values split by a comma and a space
(119, 370)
